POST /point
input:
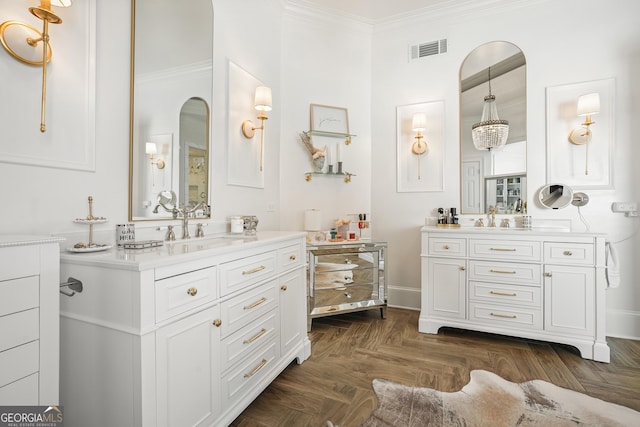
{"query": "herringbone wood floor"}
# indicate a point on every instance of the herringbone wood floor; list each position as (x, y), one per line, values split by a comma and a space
(350, 350)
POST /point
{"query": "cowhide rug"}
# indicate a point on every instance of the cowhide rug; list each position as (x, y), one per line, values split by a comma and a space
(489, 400)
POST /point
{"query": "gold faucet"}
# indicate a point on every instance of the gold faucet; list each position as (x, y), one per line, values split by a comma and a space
(492, 216)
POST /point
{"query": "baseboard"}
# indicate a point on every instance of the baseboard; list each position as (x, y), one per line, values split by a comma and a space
(402, 297)
(623, 324)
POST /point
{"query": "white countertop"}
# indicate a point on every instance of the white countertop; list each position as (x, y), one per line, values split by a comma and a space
(176, 251)
(511, 231)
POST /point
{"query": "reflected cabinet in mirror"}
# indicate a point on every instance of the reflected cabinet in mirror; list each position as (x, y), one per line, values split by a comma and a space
(171, 91)
(493, 167)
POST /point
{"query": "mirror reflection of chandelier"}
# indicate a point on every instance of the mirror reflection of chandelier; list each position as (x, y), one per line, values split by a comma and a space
(490, 132)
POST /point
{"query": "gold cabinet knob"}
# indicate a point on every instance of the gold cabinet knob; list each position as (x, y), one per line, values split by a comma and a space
(446, 247)
(283, 287)
(462, 269)
(568, 253)
(192, 291)
(217, 323)
(292, 258)
(547, 274)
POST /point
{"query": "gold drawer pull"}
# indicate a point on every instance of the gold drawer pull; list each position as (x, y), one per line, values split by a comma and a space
(192, 291)
(255, 337)
(217, 323)
(292, 258)
(503, 249)
(492, 270)
(568, 253)
(504, 294)
(253, 270)
(256, 369)
(255, 304)
(504, 316)
(283, 287)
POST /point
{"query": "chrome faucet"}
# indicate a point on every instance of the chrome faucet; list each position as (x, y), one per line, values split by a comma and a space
(186, 212)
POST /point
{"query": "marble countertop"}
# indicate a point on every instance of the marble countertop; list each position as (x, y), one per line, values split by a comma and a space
(8, 240)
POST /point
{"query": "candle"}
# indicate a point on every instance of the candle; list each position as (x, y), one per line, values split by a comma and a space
(338, 153)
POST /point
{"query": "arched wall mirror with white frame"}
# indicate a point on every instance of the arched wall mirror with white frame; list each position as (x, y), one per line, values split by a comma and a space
(496, 177)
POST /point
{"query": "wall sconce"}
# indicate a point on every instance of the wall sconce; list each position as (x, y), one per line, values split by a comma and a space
(262, 104)
(151, 149)
(419, 147)
(587, 105)
(20, 40)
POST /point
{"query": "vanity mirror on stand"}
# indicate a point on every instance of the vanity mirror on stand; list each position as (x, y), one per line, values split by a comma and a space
(171, 91)
(490, 175)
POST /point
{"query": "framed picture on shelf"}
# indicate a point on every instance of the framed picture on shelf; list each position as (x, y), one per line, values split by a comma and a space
(329, 119)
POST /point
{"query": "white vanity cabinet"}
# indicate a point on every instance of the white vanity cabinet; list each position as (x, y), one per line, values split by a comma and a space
(544, 285)
(29, 329)
(186, 334)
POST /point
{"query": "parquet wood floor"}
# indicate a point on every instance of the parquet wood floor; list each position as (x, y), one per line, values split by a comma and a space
(350, 350)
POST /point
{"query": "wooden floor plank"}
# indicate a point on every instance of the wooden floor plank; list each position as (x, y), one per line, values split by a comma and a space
(350, 350)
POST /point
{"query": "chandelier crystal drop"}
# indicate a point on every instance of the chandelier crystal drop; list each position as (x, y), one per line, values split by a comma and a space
(490, 132)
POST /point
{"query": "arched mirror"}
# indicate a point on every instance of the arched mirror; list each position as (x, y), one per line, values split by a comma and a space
(493, 176)
(171, 91)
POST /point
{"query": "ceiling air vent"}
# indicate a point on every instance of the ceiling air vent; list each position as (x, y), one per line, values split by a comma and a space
(428, 49)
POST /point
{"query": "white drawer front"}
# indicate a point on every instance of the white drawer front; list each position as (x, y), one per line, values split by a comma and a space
(239, 274)
(447, 246)
(19, 294)
(19, 328)
(246, 340)
(247, 308)
(509, 294)
(290, 257)
(18, 362)
(178, 294)
(517, 317)
(247, 375)
(504, 249)
(19, 261)
(505, 272)
(21, 392)
(568, 253)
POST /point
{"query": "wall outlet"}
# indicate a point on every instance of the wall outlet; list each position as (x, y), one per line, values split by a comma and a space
(629, 208)
(271, 206)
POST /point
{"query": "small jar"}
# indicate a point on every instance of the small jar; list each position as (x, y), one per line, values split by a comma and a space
(237, 225)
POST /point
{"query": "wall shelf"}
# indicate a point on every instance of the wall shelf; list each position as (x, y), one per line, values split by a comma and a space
(347, 136)
(346, 175)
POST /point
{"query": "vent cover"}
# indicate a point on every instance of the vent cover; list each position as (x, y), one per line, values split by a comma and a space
(423, 50)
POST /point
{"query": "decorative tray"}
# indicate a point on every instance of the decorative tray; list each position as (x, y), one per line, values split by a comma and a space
(144, 244)
(91, 248)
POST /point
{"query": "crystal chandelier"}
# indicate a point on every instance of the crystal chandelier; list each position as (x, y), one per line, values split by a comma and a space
(490, 132)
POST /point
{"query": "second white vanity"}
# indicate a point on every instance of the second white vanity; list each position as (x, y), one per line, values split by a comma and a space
(185, 334)
(540, 284)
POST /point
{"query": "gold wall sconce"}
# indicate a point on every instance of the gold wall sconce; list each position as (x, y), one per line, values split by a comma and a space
(263, 104)
(151, 149)
(419, 146)
(587, 105)
(21, 41)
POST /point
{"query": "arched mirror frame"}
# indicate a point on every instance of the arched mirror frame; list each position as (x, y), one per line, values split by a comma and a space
(484, 174)
(183, 75)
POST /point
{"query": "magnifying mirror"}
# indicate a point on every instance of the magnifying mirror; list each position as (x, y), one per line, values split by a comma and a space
(558, 196)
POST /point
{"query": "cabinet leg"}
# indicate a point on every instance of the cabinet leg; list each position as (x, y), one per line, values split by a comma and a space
(383, 312)
(308, 324)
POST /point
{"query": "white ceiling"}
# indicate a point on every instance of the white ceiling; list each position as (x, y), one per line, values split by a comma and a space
(372, 10)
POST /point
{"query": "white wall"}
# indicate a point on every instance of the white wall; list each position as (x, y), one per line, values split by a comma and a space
(563, 42)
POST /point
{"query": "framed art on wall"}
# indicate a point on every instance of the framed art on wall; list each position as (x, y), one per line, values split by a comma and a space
(329, 119)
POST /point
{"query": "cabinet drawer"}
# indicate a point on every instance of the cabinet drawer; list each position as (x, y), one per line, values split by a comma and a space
(243, 342)
(343, 295)
(505, 272)
(21, 392)
(516, 317)
(568, 253)
(247, 308)
(504, 249)
(19, 362)
(19, 294)
(290, 257)
(238, 274)
(178, 294)
(19, 261)
(19, 328)
(510, 294)
(247, 375)
(447, 246)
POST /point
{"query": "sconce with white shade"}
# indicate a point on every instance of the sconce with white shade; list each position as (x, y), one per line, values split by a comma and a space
(262, 103)
(419, 146)
(21, 41)
(490, 132)
(587, 105)
(152, 149)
